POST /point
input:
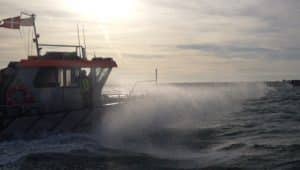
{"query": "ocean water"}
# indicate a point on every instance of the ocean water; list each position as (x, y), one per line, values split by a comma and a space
(187, 126)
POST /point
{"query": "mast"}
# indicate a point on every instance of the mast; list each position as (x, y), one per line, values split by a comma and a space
(36, 37)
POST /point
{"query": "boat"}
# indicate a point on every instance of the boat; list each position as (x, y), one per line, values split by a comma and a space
(42, 95)
(294, 83)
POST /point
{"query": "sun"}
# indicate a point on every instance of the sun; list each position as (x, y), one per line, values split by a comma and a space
(103, 9)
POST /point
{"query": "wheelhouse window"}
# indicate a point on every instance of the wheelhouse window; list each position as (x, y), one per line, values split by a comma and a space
(53, 77)
(47, 77)
(101, 73)
(61, 77)
(72, 77)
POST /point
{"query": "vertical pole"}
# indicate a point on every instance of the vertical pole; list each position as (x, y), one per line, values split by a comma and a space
(83, 34)
(84, 44)
(156, 76)
(78, 37)
(36, 39)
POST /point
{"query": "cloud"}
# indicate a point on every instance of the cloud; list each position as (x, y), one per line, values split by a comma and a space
(143, 56)
(165, 32)
(220, 50)
(243, 51)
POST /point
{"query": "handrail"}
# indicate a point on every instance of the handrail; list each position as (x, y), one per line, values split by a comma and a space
(144, 81)
(136, 83)
(60, 45)
(79, 48)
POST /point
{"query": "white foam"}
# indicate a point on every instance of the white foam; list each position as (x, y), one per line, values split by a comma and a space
(173, 107)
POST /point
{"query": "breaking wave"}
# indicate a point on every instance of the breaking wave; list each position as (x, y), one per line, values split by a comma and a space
(210, 126)
(162, 120)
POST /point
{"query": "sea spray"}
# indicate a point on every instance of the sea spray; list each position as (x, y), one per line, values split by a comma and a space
(260, 131)
(141, 124)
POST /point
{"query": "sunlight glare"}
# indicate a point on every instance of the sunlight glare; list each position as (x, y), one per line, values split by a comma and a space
(103, 9)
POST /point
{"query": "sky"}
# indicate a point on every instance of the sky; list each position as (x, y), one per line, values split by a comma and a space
(188, 41)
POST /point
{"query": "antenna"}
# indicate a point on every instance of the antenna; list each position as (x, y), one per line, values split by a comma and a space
(83, 33)
(79, 44)
(78, 36)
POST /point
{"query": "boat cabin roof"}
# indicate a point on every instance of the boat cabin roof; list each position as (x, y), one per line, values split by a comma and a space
(66, 60)
(64, 63)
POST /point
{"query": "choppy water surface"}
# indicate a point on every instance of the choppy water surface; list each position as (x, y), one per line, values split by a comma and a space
(240, 126)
